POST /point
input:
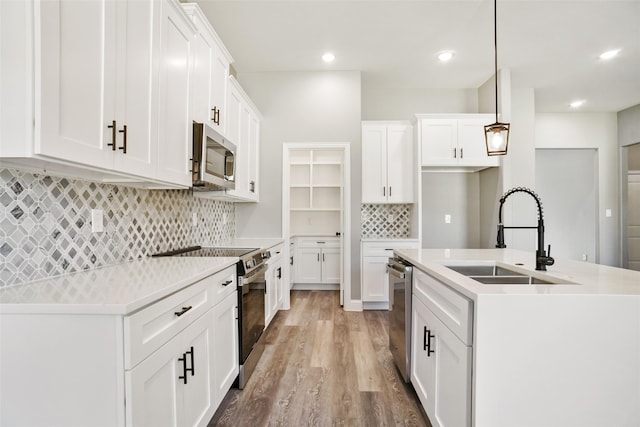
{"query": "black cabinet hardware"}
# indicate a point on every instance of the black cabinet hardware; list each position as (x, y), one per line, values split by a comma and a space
(183, 311)
(279, 273)
(252, 186)
(183, 359)
(192, 368)
(227, 283)
(124, 139)
(424, 339)
(112, 126)
(429, 336)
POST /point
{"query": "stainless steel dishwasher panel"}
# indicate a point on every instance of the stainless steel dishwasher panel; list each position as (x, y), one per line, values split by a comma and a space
(400, 276)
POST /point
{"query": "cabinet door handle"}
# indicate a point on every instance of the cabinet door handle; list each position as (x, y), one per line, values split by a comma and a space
(252, 186)
(461, 153)
(455, 153)
(322, 257)
(318, 257)
(217, 116)
(213, 114)
(112, 126)
(279, 273)
(192, 369)
(389, 191)
(384, 191)
(291, 260)
(183, 359)
(429, 336)
(227, 283)
(183, 311)
(424, 339)
(124, 139)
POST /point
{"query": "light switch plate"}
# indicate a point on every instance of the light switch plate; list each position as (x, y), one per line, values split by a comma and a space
(97, 221)
(447, 219)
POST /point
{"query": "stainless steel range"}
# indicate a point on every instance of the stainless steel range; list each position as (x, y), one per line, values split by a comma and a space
(251, 290)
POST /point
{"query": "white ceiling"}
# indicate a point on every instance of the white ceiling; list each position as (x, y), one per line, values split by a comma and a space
(551, 46)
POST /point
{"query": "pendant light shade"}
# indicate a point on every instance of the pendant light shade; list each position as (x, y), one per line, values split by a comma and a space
(496, 135)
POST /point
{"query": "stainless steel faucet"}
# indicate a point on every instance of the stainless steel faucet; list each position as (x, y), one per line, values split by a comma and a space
(542, 259)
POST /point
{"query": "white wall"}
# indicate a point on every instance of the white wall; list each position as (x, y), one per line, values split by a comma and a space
(302, 107)
(590, 130)
(382, 103)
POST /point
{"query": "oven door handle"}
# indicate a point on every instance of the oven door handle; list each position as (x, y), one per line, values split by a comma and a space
(393, 272)
(255, 275)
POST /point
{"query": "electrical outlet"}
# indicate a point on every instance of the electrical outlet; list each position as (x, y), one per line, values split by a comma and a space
(447, 219)
(584, 257)
(97, 221)
(194, 219)
(607, 213)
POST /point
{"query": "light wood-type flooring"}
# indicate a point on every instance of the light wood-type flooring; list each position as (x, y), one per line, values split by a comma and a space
(323, 366)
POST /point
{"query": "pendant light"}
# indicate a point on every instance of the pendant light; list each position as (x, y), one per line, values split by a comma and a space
(496, 135)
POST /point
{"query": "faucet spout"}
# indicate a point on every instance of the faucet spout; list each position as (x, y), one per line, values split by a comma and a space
(543, 259)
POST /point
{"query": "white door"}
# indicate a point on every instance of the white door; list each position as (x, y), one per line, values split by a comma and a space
(374, 164)
(225, 349)
(422, 365)
(153, 393)
(330, 265)
(77, 58)
(199, 391)
(400, 167)
(202, 72)
(375, 282)
(439, 142)
(450, 375)
(175, 124)
(308, 266)
(219, 79)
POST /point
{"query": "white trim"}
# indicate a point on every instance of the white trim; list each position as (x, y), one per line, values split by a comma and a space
(345, 267)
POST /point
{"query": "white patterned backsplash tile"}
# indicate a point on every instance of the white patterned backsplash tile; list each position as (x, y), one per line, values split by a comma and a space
(385, 221)
(45, 224)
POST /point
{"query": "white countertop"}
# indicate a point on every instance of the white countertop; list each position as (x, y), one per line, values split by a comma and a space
(115, 289)
(258, 242)
(589, 279)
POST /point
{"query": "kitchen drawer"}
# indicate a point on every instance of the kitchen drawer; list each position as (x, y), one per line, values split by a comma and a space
(148, 329)
(224, 283)
(386, 247)
(453, 309)
(318, 242)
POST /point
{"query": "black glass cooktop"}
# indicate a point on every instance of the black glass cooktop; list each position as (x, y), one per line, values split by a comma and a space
(197, 251)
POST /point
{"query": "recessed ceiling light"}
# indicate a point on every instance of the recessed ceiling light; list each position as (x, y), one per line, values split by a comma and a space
(445, 55)
(328, 57)
(609, 54)
(577, 104)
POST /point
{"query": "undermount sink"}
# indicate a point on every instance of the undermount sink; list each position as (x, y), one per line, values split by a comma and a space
(493, 274)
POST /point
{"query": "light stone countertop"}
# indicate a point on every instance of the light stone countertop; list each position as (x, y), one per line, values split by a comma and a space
(115, 289)
(587, 278)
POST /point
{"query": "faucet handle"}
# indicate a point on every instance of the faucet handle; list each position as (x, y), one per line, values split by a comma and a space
(548, 250)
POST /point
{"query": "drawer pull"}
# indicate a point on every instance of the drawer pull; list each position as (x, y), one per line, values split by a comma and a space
(227, 283)
(183, 311)
(428, 346)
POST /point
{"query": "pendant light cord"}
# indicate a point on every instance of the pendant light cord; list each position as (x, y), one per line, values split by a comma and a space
(495, 50)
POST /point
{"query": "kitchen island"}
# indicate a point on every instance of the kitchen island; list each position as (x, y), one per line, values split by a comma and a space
(563, 354)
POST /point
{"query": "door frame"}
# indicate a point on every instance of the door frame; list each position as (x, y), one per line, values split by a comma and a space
(345, 217)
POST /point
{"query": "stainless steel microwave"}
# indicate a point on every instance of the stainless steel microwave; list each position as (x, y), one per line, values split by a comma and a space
(214, 163)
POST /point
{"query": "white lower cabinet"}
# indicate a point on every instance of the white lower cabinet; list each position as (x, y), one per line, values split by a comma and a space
(317, 260)
(375, 256)
(225, 351)
(174, 386)
(440, 359)
(168, 364)
(274, 294)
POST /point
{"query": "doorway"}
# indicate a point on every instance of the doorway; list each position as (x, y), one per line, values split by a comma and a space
(631, 207)
(316, 216)
(567, 182)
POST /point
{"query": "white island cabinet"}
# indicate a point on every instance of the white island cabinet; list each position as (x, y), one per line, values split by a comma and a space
(152, 342)
(561, 353)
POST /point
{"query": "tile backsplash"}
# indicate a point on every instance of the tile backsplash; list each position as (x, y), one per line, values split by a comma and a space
(45, 224)
(385, 221)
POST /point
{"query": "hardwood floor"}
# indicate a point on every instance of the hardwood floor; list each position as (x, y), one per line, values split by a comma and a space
(323, 366)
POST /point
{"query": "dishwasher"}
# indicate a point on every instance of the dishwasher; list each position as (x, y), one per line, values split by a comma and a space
(400, 277)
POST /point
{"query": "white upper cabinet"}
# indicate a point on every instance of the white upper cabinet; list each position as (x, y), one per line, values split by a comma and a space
(175, 125)
(210, 72)
(102, 73)
(387, 163)
(454, 141)
(243, 129)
